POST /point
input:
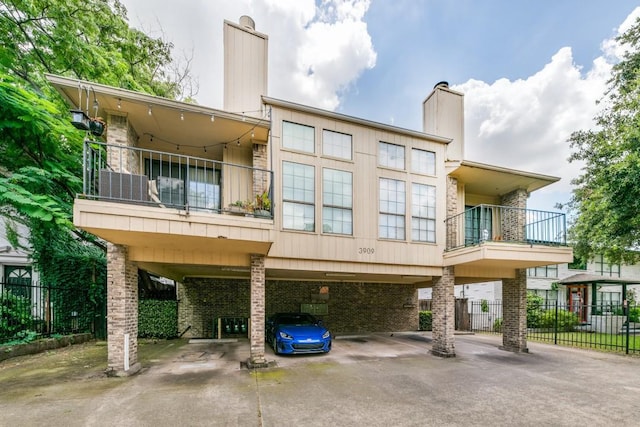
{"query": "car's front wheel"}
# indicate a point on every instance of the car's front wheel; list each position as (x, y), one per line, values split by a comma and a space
(274, 344)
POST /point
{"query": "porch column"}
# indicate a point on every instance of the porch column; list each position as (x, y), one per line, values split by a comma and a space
(256, 356)
(122, 312)
(514, 313)
(443, 312)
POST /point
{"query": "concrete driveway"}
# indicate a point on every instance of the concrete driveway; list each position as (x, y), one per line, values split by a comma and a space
(374, 380)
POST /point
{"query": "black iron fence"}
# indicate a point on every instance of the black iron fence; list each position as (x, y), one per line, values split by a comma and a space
(613, 327)
(490, 223)
(35, 310)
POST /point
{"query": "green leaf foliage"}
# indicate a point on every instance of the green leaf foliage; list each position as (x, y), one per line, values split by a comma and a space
(606, 199)
(40, 151)
(425, 320)
(15, 315)
(157, 318)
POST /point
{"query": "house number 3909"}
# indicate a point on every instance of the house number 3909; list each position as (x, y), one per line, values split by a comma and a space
(366, 251)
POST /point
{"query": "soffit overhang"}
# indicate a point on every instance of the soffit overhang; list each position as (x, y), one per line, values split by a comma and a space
(490, 180)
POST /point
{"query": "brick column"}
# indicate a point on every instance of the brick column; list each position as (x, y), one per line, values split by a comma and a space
(122, 312)
(514, 313)
(514, 220)
(256, 356)
(443, 312)
(120, 133)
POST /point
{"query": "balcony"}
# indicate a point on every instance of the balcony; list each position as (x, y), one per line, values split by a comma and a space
(175, 209)
(489, 240)
(167, 180)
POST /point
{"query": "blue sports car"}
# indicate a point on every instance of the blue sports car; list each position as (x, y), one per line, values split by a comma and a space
(290, 333)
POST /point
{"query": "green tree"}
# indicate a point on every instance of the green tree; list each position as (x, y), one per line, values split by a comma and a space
(40, 151)
(606, 200)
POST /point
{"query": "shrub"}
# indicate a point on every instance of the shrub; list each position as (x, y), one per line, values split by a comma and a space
(425, 320)
(15, 315)
(566, 320)
(534, 310)
(497, 325)
(157, 319)
(634, 314)
(484, 306)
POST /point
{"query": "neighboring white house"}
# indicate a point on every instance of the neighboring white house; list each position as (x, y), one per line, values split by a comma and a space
(16, 271)
(543, 282)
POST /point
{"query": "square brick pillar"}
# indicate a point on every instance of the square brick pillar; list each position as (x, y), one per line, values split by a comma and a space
(443, 312)
(256, 356)
(122, 312)
(514, 313)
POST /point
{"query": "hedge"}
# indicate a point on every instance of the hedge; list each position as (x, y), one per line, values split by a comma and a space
(425, 321)
(157, 319)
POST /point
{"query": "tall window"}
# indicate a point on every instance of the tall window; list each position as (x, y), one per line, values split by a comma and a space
(604, 268)
(298, 196)
(423, 213)
(298, 137)
(337, 195)
(336, 144)
(392, 209)
(423, 161)
(391, 155)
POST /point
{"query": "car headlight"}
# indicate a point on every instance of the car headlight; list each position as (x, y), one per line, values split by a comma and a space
(326, 335)
(285, 336)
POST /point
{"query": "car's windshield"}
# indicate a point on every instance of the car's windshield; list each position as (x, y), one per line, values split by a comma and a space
(296, 319)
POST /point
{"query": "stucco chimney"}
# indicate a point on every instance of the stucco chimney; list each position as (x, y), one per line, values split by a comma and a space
(443, 115)
(245, 67)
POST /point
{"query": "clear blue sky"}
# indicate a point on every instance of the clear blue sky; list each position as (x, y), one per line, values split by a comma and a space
(531, 71)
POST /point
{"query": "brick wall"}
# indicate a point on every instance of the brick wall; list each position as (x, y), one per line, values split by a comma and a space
(443, 313)
(452, 205)
(122, 307)
(514, 312)
(201, 301)
(120, 132)
(260, 177)
(352, 307)
(257, 309)
(514, 220)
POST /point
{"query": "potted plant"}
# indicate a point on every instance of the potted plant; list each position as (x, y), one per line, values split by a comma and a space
(263, 205)
(238, 207)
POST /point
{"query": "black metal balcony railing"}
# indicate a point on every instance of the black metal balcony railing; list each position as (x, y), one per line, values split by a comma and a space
(489, 223)
(133, 175)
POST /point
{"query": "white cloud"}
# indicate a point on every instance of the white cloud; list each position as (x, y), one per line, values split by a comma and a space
(525, 124)
(315, 56)
(315, 51)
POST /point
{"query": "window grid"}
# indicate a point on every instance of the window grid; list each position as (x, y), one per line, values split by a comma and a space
(337, 195)
(544, 271)
(423, 213)
(391, 155)
(298, 194)
(336, 144)
(298, 137)
(604, 268)
(392, 209)
(423, 161)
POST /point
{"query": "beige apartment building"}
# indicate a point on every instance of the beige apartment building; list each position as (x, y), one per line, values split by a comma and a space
(267, 206)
